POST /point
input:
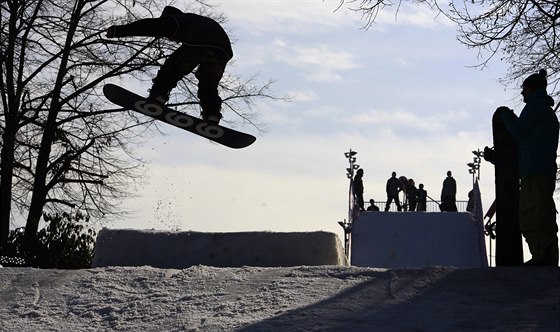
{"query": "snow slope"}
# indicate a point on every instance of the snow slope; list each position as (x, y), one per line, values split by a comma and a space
(417, 239)
(319, 298)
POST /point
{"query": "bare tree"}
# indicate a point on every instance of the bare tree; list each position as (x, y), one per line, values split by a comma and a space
(525, 34)
(62, 144)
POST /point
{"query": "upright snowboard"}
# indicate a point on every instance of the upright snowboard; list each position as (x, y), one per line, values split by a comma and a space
(225, 136)
(509, 243)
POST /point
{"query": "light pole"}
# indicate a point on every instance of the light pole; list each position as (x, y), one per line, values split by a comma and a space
(474, 167)
(347, 223)
(351, 156)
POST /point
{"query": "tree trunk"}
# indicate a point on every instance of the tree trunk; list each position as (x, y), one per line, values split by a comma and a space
(40, 189)
(6, 173)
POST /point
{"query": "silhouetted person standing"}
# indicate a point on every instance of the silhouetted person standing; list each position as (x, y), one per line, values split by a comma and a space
(470, 203)
(448, 194)
(422, 196)
(393, 188)
(358, 188)
(411, 195)
(204, 44)
(536, 130)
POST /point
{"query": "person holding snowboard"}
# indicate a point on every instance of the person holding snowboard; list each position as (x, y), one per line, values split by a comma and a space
(536, 130)
(204, 43)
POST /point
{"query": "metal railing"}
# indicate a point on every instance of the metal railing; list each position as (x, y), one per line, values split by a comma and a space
(431, 206)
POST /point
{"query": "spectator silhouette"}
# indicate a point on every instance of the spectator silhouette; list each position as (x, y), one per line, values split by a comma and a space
(448, 194)
(422, 196)
(393, 188)
(372, 206)
(358, 188)
(411, 195)
(470, 203)
(536, 130)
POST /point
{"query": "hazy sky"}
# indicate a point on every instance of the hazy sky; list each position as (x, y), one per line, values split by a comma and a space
(401, 93)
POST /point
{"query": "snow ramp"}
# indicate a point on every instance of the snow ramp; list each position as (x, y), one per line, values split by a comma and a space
(161, 249)
(417, 239)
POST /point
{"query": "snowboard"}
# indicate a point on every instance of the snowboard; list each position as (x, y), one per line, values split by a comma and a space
(210, 130)
(509, 243)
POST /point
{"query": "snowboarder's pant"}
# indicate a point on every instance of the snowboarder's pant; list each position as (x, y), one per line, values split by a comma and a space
(390, 198)
(537, 218)
(211, 65)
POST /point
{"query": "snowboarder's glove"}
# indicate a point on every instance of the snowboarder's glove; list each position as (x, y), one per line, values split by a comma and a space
(111, 32)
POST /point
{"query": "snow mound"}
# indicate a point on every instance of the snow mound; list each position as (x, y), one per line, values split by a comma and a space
(417, 239)
(161, 249)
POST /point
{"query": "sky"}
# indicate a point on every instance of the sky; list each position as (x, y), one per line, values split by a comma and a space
(403, 94)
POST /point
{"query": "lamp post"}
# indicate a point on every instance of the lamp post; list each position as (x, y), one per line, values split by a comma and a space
(351, 156)
(474, 167)
(347, 223)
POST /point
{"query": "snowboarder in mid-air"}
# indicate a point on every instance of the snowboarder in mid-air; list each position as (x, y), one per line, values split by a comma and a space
(204, 43)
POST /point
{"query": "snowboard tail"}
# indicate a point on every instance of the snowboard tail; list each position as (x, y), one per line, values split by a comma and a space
(212, 131)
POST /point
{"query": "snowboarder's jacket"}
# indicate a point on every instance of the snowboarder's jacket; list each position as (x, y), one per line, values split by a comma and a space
(187, 28)
(537, 133)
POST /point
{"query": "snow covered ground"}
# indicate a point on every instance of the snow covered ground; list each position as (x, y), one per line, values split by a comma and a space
(303, 298)
(297, 298)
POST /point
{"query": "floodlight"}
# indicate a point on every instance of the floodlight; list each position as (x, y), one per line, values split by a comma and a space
(350, 154)
(478, 153)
